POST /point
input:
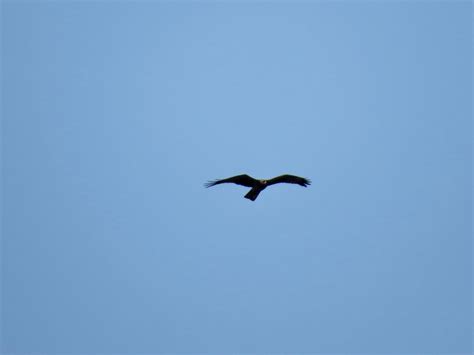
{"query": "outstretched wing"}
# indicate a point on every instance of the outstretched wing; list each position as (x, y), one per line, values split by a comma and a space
(289, 179)
(243, 180)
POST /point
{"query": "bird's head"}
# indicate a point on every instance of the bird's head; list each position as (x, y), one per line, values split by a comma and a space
(263, 182)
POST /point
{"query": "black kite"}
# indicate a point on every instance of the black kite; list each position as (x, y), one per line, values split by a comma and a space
(259, 185)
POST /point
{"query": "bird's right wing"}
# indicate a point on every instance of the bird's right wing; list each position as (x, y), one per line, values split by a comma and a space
(243, 180)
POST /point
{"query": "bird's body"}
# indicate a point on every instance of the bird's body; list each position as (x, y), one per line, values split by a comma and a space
(258, 185)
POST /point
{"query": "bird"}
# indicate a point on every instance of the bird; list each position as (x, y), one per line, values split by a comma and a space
(258, 185)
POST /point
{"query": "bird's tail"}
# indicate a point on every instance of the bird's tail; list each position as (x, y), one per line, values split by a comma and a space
(253, 194)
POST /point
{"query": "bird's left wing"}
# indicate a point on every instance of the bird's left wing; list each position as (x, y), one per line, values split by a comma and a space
(243, 180)
(289, 179)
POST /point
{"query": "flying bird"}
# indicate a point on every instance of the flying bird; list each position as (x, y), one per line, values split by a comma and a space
(258, 185)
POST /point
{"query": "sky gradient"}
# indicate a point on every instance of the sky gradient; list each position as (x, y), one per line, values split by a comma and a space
(114, 114)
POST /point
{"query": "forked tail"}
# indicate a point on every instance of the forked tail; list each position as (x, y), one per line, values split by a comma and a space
(253, 194)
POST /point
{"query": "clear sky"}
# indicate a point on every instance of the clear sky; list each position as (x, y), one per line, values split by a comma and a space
(114, 115)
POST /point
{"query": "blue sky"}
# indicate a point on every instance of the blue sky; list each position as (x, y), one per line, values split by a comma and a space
(114, 114)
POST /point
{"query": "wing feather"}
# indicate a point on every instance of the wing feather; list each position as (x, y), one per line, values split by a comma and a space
(289, 179)
(243, 180)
